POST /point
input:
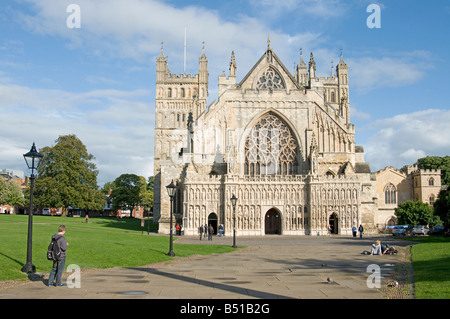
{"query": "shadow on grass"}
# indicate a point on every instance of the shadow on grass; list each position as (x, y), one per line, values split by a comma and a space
(127, 223)
(13, 259)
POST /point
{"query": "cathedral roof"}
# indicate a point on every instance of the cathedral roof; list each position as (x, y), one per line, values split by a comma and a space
(269, 58)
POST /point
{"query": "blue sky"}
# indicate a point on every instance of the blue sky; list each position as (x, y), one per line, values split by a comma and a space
(98, 81)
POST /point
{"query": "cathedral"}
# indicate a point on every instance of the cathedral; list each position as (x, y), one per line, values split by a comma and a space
(282, 143)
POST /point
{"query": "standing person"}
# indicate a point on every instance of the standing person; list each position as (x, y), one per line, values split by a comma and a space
(361, 230)
(59, 265)
(200, 230)
(354, 231)
(205, 230)
(210, 232)
(87, 218)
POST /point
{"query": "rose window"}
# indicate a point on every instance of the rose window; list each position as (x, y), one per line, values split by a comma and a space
(270, 148)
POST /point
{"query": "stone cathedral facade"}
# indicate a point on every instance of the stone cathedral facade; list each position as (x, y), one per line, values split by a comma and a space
(282, 143)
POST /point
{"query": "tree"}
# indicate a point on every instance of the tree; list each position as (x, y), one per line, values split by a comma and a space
(107, 187)
(442, 206)
(436, 162)
(68, 177)
(147, 193)
(416, 213)
(126, 194)
(130, 191)
(11, 194)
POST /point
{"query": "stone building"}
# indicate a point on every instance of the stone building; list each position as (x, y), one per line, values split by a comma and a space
(281, 143)
(398, 186)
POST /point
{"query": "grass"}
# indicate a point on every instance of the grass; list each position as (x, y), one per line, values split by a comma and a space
(431, 264)
(100, 243)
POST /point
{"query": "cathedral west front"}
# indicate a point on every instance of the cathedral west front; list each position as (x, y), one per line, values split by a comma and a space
(282, 143)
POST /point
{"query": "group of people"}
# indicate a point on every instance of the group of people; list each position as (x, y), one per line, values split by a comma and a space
(206, 230)
(380, 249)
(179, 230)
(360, 229)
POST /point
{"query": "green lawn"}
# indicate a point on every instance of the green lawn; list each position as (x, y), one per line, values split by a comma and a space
(431, 264)
(101, 243)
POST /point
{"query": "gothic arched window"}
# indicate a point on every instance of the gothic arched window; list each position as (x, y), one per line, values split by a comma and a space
(270, 80)
(390, 194)
(271, 148)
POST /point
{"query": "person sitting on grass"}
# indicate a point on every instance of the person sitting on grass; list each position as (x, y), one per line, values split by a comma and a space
(376, 248)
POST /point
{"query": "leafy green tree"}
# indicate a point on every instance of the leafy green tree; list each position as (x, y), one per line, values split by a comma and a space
(150, 183)
(126, 194)
(416, 213)
(130, 191)
(436, 162)
(147, 193)
(107, 187)
(442, 206)
(11, 194)
(68, 177)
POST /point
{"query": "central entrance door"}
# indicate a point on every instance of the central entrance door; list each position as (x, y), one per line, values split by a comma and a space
(272, 222)
(212, 220)
(333, 221)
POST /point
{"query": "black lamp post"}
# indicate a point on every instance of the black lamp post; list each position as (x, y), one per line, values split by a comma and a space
(171, 190)
(233, 202)
(148, 220)
(32, 158)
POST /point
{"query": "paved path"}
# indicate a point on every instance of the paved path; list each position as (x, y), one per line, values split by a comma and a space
(271, 267)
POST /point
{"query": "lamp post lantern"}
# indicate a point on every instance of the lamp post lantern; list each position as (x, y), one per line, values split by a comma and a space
(233, 203)
(32, 159)
(171, 190)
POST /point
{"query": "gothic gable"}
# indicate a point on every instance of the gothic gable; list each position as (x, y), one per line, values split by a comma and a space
(269, 74)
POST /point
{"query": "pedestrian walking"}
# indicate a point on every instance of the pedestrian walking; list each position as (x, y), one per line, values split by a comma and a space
(210, 232)
(361, 230)
(205, 230)
(200, 230)
(87, 218)
(59, 265)
(354, 231)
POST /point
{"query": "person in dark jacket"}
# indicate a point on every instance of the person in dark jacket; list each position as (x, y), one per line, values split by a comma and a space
(58, 266)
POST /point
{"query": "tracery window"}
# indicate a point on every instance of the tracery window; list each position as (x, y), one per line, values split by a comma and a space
(270, 80)
(271, 148)
(432, 199)
(390, 194)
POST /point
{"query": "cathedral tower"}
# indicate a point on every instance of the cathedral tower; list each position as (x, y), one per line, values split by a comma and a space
(179, 97)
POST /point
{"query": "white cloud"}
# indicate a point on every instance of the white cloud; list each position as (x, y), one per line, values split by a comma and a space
(388, 70)
(403, 139)
(315, 8)
(116, 126)
(135, 28)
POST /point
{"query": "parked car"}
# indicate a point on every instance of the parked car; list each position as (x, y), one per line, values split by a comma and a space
(400, 230)
(420, 230)
(447, 232)
(436, 230)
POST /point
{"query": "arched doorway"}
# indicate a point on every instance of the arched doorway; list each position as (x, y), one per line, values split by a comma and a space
(272, 222)
(333, 223)
(212, 220)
